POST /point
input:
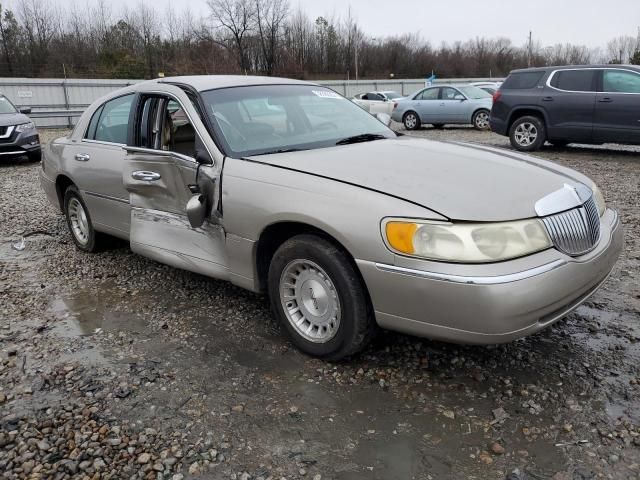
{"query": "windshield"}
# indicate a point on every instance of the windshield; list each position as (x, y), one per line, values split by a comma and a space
(274, 118)
(6, 106)
(474, 93)
(392, 95)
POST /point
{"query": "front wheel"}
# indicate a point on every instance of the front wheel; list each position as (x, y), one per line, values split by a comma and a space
(319, 298)
(480, 120)
(411, 121)
(527, 134)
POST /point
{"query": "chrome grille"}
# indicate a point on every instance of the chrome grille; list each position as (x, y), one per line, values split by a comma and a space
(575, 231)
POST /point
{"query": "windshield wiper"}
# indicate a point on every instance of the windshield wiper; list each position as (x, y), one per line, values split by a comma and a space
(364, 137)
(280, 150)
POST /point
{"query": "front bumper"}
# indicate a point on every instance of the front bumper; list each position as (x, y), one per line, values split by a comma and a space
(490, 308)
(19, 143)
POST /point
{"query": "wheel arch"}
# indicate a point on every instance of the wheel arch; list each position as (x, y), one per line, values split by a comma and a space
(275, 234)
(62, 183)
(524, 111)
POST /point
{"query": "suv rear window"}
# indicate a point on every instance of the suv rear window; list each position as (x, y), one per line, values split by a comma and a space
(522, 80)
(574, 80)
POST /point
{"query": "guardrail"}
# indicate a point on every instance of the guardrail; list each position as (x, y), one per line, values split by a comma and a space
(57, 103)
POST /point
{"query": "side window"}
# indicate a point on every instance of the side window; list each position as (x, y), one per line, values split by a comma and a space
(574, 80)
(429, 94)
(620, 81)
(91, 129)
(375, 96)
(164, 125)
(449, 93)
(522, 80)
(112, 126)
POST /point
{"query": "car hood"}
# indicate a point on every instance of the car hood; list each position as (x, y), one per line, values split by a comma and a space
(13, 119)
(458, 181)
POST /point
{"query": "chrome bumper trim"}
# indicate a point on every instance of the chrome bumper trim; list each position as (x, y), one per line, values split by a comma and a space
(493, 280)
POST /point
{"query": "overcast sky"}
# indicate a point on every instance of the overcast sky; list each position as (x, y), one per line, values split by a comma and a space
(589, 22)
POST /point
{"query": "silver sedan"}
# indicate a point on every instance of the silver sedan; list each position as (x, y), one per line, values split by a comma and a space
(286, 188)
(445, 104)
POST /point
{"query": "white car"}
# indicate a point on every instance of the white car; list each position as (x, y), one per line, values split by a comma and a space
(489, 87)
(378, 102)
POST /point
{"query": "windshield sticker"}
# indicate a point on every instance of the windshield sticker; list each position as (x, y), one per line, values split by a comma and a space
(326, 94)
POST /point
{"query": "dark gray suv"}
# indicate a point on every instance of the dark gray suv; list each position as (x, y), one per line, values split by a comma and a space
(574, 104)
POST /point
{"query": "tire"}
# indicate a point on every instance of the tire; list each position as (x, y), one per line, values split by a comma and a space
(527, 133)
(335, 317)
(34, 156)
(480, 120)
(79, 222)
(411, 120)
(438, 126)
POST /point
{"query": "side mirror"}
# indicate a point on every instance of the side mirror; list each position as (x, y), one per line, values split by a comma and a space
(196, 210)
(25, 110)
(203, 158)
(384, 118)
(459, 97)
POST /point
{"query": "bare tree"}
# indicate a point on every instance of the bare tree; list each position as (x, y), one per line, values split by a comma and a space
(270, 17)
(236, 19)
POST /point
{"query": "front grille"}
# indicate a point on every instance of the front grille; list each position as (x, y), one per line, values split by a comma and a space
(3, 130)
(575, 231)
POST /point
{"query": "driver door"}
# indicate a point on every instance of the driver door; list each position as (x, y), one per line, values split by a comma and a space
(162, 176)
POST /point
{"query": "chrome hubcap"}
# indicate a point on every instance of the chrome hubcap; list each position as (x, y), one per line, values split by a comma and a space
(482, 120)
(525, 134)
(410, 121)
(310, 301)
(79, 221)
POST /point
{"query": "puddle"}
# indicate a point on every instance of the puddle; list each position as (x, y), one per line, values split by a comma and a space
(85, 314)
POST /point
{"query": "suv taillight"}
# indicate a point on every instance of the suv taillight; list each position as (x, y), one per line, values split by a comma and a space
(496, 96)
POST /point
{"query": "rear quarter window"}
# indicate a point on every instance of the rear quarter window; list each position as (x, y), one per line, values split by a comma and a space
(522, 80)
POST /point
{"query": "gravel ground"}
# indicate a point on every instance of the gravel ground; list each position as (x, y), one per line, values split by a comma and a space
(114, 366)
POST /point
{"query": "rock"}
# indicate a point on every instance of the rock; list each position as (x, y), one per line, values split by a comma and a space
(237, 408)
(496, 448)
(499, 414)
(194, 468)
(177, 476)
(485, 458)
(43, 445)
(158, 467)
(144, 458)
(449, 414)
(317, 476)
(85, 465)
(3, 398)
(98, 463)
(613, 458)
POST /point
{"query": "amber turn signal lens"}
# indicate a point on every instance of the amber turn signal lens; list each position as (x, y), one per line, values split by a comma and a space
(400, 236)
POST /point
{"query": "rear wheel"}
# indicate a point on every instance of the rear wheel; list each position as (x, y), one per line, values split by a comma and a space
(79, 222)
(527, 133)
(319, 298)
(480, 120)
(411, 121)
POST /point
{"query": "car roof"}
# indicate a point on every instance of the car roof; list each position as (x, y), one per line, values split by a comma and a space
(210, 82)
(573, 67)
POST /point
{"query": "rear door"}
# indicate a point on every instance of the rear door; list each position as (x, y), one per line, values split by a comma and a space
(569, 99)
(96, 162)
(161, 175)
(617, 117)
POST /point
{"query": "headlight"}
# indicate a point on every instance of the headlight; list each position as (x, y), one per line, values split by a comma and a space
(23, 127)
(599, 199)
(467, 242)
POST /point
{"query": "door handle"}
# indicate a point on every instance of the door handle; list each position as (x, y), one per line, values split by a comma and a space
(146, 176)
(82, 157)
(605, 100)
(547, 99)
